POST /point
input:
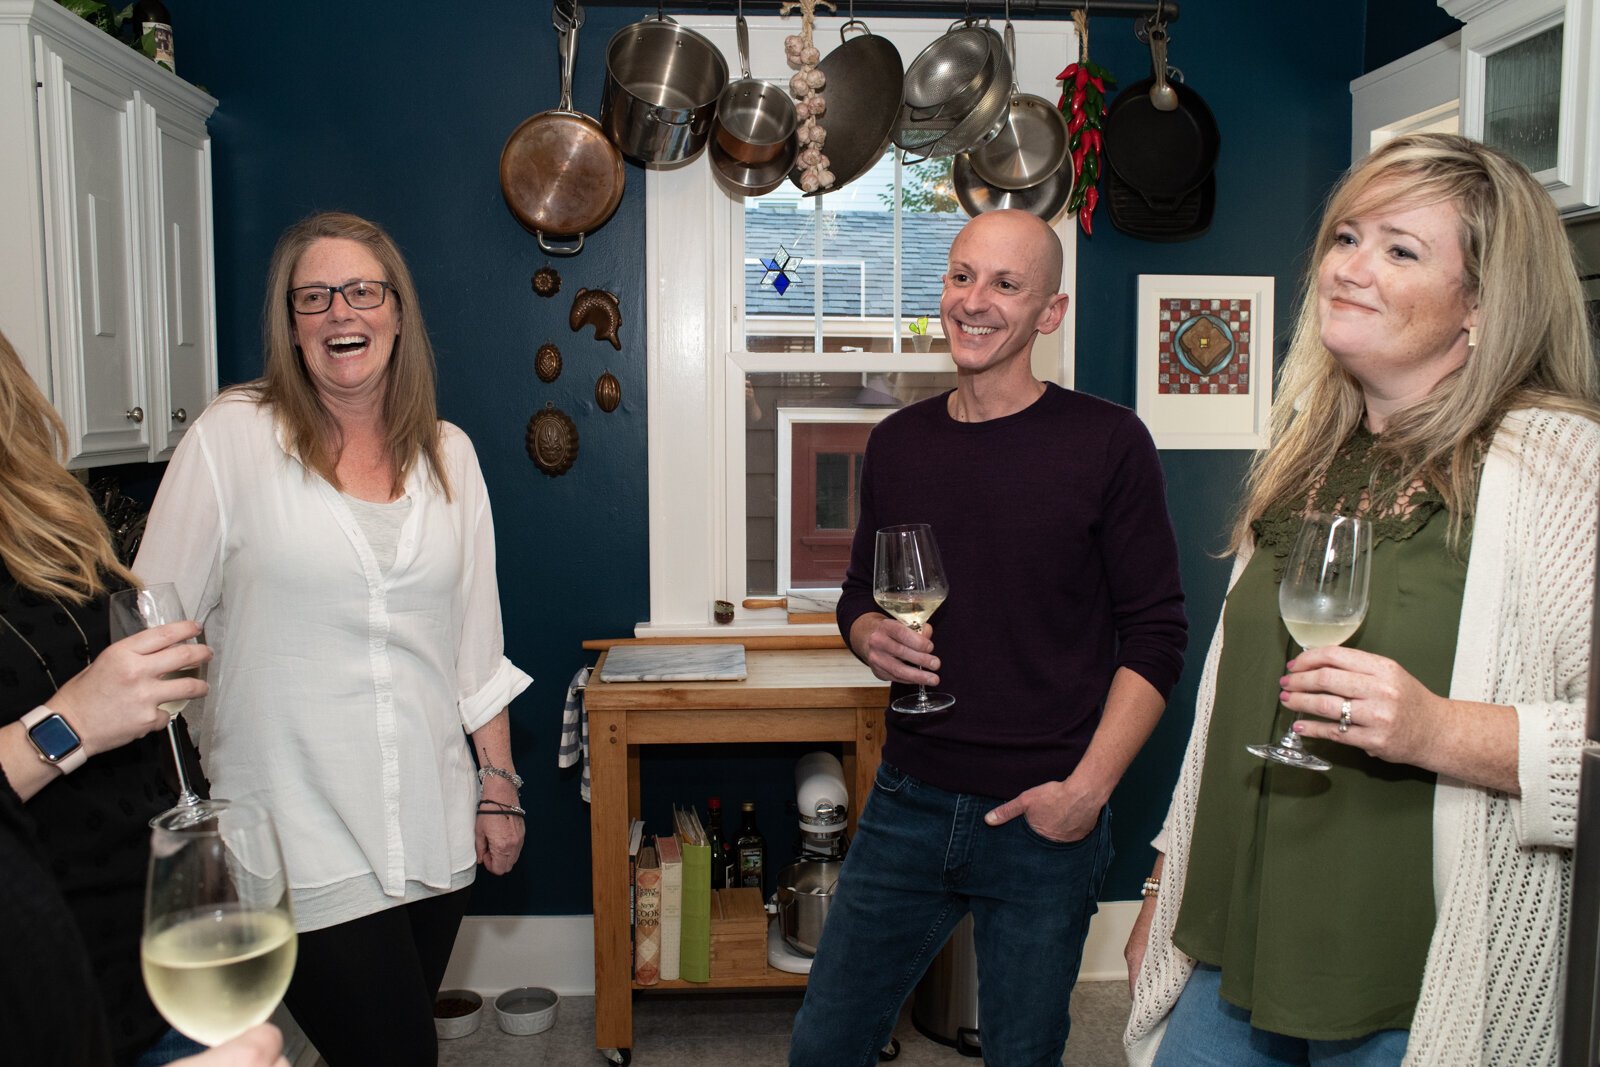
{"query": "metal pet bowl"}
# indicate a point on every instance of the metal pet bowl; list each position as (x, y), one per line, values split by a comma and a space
(456, 1012)
(527, 1009)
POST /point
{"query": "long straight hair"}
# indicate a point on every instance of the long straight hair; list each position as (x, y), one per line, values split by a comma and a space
(1532, 347)
(52, 539)
(410, 412)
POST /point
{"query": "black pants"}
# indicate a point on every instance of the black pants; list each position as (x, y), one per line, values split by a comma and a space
(363, 990)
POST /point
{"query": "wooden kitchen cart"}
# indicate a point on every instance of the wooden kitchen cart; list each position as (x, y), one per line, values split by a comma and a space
(789, 694)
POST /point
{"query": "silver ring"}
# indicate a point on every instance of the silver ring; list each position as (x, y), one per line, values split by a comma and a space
(1344, 716)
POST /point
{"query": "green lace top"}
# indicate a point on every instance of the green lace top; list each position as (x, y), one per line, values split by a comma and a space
(1313, 892)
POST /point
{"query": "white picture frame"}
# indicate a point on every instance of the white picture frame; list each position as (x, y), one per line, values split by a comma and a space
(1205, 359)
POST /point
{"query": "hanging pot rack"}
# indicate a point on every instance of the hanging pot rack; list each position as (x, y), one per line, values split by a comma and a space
(1157, 10)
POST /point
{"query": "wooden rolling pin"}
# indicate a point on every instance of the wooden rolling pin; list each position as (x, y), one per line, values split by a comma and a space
(794, 616)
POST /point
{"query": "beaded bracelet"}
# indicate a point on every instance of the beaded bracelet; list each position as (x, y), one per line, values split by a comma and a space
(499, 772)
(1151, 887)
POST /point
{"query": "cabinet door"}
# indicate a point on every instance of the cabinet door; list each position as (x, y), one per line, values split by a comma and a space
(183, 368)
(91, 218)
(1529, 84)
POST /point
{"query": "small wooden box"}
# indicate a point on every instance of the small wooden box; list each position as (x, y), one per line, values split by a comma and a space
(738, 934)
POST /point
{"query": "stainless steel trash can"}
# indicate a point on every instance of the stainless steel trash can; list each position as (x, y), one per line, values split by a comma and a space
(945, 1005)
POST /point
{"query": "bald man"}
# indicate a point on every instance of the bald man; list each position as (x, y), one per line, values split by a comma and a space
(1062, 636)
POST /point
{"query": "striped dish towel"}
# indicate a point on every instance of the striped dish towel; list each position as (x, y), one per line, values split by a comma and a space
(575, 731)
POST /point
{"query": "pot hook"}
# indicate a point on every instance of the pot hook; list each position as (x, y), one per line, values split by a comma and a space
(1163, 97)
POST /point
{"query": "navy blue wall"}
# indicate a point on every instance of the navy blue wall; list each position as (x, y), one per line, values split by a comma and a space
(403, 120)
(1400, 27)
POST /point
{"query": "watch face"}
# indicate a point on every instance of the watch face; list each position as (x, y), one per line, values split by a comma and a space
(54, 738)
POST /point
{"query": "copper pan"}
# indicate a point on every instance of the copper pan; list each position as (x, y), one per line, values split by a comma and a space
(561, 176)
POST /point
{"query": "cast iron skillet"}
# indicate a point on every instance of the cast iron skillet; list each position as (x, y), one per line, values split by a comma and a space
(1161, 155)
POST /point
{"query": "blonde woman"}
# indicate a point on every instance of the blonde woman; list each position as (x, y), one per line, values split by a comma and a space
(335, 539)
(77, 745)
(1410, 905)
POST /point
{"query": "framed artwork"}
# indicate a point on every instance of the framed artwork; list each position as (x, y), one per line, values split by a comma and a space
(1205, 359)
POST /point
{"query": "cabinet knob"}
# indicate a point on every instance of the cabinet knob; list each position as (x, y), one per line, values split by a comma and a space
(136, 414)
(179, 415)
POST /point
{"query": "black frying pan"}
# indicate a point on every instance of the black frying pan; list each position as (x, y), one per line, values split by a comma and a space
(1161, 155)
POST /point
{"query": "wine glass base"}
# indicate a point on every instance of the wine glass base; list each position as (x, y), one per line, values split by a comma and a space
(923, 703)
(1289, 757)
(187, 815)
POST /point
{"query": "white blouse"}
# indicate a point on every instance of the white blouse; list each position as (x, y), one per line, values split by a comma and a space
(339, 691)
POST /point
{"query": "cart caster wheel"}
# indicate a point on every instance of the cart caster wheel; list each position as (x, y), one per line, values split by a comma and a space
(623, 1056)
(891, 1051)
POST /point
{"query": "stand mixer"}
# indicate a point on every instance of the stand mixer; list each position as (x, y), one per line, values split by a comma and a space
(805, 887)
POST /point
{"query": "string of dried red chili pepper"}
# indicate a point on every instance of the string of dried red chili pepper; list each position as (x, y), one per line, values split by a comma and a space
(1083, 99)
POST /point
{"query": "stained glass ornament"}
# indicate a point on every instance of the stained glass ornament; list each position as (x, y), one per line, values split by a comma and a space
(777, 268)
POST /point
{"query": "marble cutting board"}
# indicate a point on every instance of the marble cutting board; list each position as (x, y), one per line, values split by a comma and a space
(674, 663)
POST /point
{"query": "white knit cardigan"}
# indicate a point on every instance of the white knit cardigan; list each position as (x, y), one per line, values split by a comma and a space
(1502, 866)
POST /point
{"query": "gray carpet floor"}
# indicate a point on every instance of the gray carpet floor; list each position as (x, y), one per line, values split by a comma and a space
(750, 1030)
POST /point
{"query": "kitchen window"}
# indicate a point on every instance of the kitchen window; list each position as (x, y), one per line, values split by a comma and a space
(746, 382)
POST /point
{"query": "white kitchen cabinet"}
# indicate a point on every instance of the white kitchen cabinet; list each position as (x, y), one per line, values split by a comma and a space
(106, 288)
(1530, 85)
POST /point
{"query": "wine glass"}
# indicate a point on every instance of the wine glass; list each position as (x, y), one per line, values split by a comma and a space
(157, 604)
(219, 943)
(1323, 598)
(908, 582)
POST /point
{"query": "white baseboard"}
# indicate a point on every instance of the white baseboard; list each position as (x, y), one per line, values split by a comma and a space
(494, 953)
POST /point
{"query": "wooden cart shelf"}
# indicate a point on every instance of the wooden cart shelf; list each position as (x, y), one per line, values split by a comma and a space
(773, 979)
(789, 694)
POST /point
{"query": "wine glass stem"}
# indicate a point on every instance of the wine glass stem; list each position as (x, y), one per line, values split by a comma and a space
(186, 796)
(922, 690)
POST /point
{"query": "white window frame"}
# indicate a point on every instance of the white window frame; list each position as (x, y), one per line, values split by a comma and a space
(695, 379)
(788, 419)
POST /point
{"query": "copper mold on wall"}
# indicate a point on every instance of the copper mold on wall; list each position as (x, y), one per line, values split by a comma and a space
(552, 441)
(546, 282)
(547, 363)
(607, 392)
(597, 308)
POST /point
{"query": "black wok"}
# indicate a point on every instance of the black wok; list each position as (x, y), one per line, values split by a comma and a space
(865, 85)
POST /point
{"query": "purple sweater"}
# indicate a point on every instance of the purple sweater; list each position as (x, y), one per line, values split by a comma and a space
(1053, 527)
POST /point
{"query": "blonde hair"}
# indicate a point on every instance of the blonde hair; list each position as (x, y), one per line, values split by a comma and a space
(1532, 346)
(52, 539)
(410, 414)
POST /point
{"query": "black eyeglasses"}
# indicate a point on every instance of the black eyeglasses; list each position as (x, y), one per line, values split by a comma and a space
(362, 296)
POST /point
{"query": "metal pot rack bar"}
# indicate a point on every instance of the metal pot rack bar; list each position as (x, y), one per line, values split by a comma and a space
(1158, 10)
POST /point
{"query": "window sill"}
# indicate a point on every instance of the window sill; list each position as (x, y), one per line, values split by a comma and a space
(735, 629)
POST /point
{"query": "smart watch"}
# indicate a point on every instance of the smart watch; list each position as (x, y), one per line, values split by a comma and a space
(58, 743)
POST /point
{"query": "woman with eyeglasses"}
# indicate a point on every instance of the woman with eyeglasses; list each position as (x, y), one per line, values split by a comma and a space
(334, 538)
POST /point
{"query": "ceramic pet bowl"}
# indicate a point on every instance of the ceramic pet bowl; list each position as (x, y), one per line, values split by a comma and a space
(456, 1012)
(527, 1009)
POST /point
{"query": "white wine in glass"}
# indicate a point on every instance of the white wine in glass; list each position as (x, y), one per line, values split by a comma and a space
(1323, 600)
(219, 942)
(908, 582)
(134, 610)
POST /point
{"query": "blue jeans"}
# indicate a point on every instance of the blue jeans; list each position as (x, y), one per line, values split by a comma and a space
(1207, 1031)
(171, 1046)
(921, 859)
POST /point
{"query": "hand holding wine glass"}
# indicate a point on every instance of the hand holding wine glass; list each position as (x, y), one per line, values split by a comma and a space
(909, 583)
(219, 943)
(1323, 600)
(136, 610)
